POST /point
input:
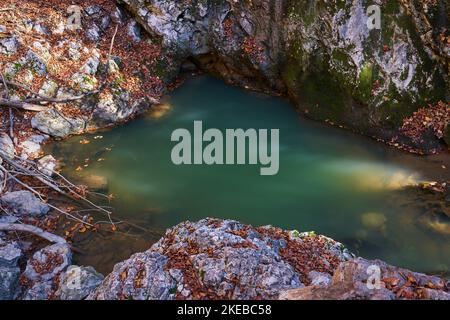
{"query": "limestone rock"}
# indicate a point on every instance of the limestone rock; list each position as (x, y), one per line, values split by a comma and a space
(48, 263)
(134, 31)
(32, 146)
(53, 124)
(299, 47)
(24, 203)
(36, 63)
(154, 282)
(9, 283)
(9, 46)
(49, 89)
(215, 253)
(47, 165)
(6, 146)
(39, 291)
(76, 283)
(374, 280)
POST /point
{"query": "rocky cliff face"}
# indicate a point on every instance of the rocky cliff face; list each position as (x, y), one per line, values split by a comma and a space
(319, 53)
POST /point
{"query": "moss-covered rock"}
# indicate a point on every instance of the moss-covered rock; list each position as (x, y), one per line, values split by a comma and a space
(321, 54)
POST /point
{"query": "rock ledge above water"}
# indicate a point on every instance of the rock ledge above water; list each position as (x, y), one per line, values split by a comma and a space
(224, 259)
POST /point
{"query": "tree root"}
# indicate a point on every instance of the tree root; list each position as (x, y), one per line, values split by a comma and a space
(34, 230)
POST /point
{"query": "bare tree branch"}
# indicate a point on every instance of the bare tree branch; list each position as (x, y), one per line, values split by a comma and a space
(32, 229)
(22, 105)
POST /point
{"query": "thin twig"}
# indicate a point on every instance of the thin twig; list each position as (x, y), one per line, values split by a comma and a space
(112, 42)
(22, 105)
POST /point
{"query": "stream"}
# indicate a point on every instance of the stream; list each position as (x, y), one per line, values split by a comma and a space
(330, 181)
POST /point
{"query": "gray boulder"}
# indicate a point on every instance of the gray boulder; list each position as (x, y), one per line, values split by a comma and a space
(76, 283)
(6, 146)
(49, 89)
(47, 165)
(24, 203)
(111, 109)
(373, 280)
(36, 63)
(48, 263)
(39, 291)
(319, 278)
(134, 31)
(10, 255)
(32, 146)
(9, 283)
(55, 125)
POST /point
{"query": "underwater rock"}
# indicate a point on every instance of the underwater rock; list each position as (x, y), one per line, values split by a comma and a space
(374, 221)
(24, 203)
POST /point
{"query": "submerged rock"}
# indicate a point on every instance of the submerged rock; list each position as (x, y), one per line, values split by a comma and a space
(374, 221)
(39, 291)
(24, 203)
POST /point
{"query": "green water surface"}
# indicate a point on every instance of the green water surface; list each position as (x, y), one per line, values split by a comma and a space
(331, 181)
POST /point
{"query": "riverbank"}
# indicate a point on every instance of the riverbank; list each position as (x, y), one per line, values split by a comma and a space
(60, 82)
(219, 259)
(224, 259)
